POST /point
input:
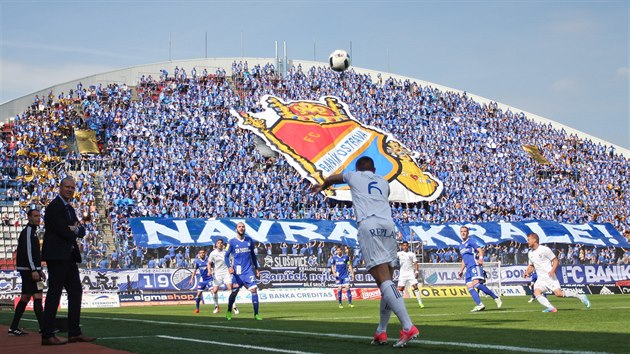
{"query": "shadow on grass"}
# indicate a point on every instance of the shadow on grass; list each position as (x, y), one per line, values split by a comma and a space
(285, 327)
(324, 336)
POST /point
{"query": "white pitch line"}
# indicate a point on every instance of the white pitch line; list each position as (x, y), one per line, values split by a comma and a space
(348, 336)
(329, 318)
(129, 337)
(268, 349)
(505, 347)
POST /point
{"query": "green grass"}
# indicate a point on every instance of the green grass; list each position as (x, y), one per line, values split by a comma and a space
(446, 325)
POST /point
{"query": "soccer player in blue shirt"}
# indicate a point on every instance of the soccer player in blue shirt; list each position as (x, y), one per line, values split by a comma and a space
(201, 264)
(472, 262)
(243, 267)
(343, 273)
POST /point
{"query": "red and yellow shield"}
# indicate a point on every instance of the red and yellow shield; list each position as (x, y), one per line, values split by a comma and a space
(321, 138)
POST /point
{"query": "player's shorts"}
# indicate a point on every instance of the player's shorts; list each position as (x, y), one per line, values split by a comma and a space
(407, 279)
(377, 240)
(204, 284)
(534, 277)
(29, 286)
(473, 273)
(342, 281)
(547, 284)
(220, 279)
(247, 279)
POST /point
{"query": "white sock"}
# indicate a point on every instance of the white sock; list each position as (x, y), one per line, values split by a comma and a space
(543, 301)
(215, 296)
(395, 301)
(417, 292)
(570, 293)
(386, 313)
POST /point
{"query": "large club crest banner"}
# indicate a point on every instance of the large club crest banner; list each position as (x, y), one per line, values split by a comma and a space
(322, 138)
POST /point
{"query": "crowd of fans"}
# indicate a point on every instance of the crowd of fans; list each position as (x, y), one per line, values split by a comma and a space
(170, 148)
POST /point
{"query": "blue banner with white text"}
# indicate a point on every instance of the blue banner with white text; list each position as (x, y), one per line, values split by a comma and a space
(162, 232)
(492, 233)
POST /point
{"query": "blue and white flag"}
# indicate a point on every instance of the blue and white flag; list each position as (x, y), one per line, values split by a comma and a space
(162, 232)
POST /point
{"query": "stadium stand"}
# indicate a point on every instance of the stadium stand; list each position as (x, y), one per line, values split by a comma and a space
(170, 148)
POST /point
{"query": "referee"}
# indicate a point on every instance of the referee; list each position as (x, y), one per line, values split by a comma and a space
(29, 264)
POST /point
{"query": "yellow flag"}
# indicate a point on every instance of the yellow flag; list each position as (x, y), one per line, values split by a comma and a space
(86, 140)
(535, 153)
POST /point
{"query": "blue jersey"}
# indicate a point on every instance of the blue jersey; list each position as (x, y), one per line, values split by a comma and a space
(468, 251)
(244, 261)
(202, 267)
(341, 265)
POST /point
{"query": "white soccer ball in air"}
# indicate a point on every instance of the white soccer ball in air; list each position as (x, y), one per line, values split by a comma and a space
(339, 60)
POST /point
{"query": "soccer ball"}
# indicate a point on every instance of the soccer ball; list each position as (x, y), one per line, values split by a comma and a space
(339, 60)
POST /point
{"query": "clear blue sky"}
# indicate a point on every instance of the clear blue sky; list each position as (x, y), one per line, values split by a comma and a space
(564, 60)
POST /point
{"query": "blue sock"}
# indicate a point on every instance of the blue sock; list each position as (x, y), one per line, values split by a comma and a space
(255, 302)
(349, 296)
(339, 295)
(533, 296)
(232, 299)
(485, 289)
(197, 301)
(475, 295)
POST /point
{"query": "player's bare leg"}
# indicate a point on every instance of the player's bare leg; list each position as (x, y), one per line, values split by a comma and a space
(215, 298)
(416, 292)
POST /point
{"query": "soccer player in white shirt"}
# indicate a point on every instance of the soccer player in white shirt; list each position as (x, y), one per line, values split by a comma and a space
(544, 262)
(221, 274)
(377, 239)
(408, 271)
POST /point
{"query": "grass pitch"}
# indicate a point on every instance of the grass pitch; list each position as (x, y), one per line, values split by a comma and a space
(446, 325)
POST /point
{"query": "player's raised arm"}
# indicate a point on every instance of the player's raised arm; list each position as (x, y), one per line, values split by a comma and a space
(329, 181)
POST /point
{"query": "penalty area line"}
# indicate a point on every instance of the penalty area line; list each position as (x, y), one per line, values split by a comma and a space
(268, 349)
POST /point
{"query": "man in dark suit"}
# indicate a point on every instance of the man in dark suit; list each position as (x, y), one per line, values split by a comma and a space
(61, 253)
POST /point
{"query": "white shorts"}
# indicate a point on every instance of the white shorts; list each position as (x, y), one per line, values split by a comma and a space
(547, 284)
(220, 279)
(377, 240)
(407, 279)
